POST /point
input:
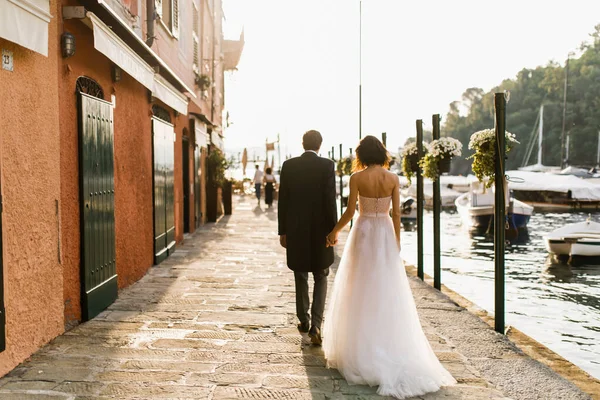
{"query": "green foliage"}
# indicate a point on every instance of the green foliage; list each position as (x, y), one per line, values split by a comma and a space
(429, 165)
(484, 145)
(203, 81)
(444, 148)
(407, 167)
(217, 164)
(410, 158)
(344, 166)
(528, 91)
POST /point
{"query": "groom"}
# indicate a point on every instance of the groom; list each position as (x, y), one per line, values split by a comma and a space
(307, 213)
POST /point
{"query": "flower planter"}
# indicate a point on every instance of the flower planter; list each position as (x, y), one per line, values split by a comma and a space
(414, 163)
(484, 144)
(227, 197)
(444, 165)
(211, 202)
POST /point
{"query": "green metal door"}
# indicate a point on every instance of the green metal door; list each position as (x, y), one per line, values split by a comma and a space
(185, 151)
(164, 189)
(96, 166)
(197, 199)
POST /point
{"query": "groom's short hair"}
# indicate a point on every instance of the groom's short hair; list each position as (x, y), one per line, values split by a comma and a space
(312, 140)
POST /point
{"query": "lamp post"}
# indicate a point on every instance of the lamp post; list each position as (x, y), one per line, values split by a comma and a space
(360, 69)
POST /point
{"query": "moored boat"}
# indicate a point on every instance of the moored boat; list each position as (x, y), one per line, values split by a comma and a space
(408, 207)
(477, 210)
(580, 239)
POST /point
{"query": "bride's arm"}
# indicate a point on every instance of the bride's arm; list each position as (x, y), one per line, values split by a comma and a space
(348, 214)
(396, 212)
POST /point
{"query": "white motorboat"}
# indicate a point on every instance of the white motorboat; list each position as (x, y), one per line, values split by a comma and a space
(577, 239)
(476, 209)
(447, 194)
(408, 207)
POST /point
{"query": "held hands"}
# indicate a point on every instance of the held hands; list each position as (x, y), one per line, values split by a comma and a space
(331, 239)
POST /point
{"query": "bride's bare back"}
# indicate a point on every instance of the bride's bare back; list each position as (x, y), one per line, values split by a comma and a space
(373, 182)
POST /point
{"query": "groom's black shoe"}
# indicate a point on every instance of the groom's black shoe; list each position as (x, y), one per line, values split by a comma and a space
(304, 327)
(315, 336)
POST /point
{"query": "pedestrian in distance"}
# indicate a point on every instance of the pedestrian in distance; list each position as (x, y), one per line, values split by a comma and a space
(258, 181)
(269, 181)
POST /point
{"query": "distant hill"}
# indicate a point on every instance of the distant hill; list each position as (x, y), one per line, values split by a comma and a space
(528, 91)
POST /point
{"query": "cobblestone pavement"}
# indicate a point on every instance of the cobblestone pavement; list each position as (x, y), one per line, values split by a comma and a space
(216, 321)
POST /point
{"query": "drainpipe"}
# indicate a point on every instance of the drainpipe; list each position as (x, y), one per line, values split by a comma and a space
(150, 17)
(214, 48)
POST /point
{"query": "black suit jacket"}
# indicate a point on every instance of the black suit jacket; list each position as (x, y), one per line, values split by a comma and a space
(307, 211)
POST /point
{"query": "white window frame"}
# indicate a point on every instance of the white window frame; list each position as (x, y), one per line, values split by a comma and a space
(196, 40)
(174, 28)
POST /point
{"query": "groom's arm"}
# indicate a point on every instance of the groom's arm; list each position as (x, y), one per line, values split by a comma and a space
(282, 202)
(330, 196)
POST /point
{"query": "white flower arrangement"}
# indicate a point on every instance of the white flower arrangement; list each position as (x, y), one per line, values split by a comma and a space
(440, 149)
(482, 138)
(445, 147)
(409, 155)
(409, 150)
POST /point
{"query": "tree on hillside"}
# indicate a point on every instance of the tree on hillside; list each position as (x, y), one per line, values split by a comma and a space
(528, 91)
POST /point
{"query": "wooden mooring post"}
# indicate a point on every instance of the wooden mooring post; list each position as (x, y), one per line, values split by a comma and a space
(420, 202)
(341, 184)
(499, 213)
(437, 209)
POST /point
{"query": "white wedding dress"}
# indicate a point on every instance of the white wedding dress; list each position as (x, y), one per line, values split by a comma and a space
(371, 332)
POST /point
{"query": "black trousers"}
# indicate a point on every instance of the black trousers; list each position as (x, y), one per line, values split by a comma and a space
(319, 296)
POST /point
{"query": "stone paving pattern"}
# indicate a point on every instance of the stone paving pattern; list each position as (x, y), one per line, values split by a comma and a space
(217, 321)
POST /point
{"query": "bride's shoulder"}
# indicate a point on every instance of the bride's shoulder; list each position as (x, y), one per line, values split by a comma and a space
(356, 175)
(392, 176)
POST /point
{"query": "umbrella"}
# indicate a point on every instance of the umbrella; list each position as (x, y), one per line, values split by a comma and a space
(245, 160)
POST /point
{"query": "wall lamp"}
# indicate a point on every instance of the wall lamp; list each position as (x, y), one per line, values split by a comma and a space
(67, 41)
(116, 73)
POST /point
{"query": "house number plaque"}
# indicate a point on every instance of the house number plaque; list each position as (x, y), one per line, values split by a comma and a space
(7, 60)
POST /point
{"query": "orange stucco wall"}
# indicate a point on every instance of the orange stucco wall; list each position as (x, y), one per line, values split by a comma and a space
(30, 180)
(191, 199)
(180, 122)
(133, 168)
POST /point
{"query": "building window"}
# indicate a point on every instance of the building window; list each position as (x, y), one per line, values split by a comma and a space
(196, 39)
(89, 86)
(168, 11)
(161, 113)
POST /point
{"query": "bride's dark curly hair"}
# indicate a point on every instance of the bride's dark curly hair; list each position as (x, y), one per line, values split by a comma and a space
(370, 151)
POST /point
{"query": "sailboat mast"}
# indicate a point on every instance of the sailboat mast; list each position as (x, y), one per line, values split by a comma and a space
(564, 156)
(598, 153)
(567, 149)
(540, 135)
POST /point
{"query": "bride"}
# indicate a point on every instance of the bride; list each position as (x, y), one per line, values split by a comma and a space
(372, 333)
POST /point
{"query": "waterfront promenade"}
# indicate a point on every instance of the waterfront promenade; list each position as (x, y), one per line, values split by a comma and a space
(217, 321)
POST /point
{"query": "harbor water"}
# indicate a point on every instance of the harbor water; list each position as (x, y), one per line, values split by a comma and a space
(555, 303)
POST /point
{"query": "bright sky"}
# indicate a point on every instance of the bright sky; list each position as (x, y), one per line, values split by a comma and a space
(300, 65)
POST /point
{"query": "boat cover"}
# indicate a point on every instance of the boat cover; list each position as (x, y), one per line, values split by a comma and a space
(581, 189)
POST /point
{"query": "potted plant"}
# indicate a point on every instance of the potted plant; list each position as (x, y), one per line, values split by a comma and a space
(216, 165)
(439, 155)
(484, 144)
(344, 166)
(410, 159)
(203, 81)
